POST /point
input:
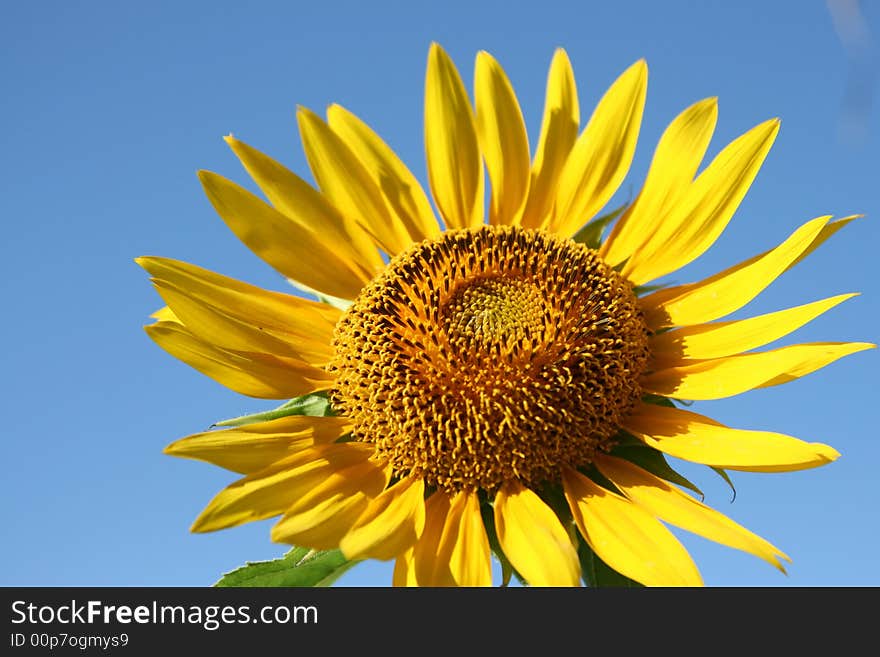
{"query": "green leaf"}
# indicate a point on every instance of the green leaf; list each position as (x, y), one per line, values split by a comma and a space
(299, 567)
(597, 573)
(591, 234)
(315, 404)
(726, 477)
(658, 401)
(655, 462)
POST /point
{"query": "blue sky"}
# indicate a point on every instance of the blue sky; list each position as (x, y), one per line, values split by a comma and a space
(109, 109)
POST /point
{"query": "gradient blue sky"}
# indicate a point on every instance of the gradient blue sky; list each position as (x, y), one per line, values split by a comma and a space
(109, 108)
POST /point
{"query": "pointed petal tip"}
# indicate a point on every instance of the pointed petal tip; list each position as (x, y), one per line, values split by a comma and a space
(560, 52)
(436, 50)
(201, 525)
(710, 103)
(826, 452)
(303, 113)
(640, 67)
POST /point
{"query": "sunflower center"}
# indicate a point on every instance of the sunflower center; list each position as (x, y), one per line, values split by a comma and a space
(494, 310)
(490, 354)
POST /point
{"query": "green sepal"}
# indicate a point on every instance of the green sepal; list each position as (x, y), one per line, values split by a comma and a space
(639, 290)
(316, 404)
(591, 234)
(721, 472)
(597, 573)
(657, 400)
(299, 567)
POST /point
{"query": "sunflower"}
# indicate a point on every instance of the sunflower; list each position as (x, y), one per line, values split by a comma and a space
(503, 380)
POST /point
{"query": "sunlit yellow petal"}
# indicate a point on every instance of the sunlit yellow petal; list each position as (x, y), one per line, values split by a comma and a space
(455, 166)
(826, 232)
(271, 491)
(252, 374)
(290, 247)
(321, 516)
(256, 446)
(729, 290)
(349, 186)
(704, 211)
(164, 314)
(600, 158)
(718, 339)
(503, 140)
(402, 192)
(559, 129)
(215, 327)
(308, 322)
(404, 571)
(453, 549)
(295, 198)
(700, 439)
(470, 558)
(662, 499)
(822, 354)
(675, 163)
(429, 565)
(724, 377)
(626, 537)
(533, 539)
(390, 524)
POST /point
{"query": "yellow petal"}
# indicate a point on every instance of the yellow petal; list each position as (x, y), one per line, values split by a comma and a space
(404, 571)
(724, 377)
(164, 314)
(306, 320)
(672, 170)
(349, 186)
(700, 439)
(533, 539)
(826, 232)
(502, 136)
(295, 198)
(271, 491)
(455, 167)
(253, 447)
(470, 559)
(252, 374)
(453, 549)
(665, 501)
(729, 290)
(305, 325)
(600, 158)
(402, 192)
(290, 247)
(718, 339)
(214, 327)
(390, 524)
(429, 565)
(821, 355)
(702, 214)
(559, 130)
(626, 537)
(322, 515)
